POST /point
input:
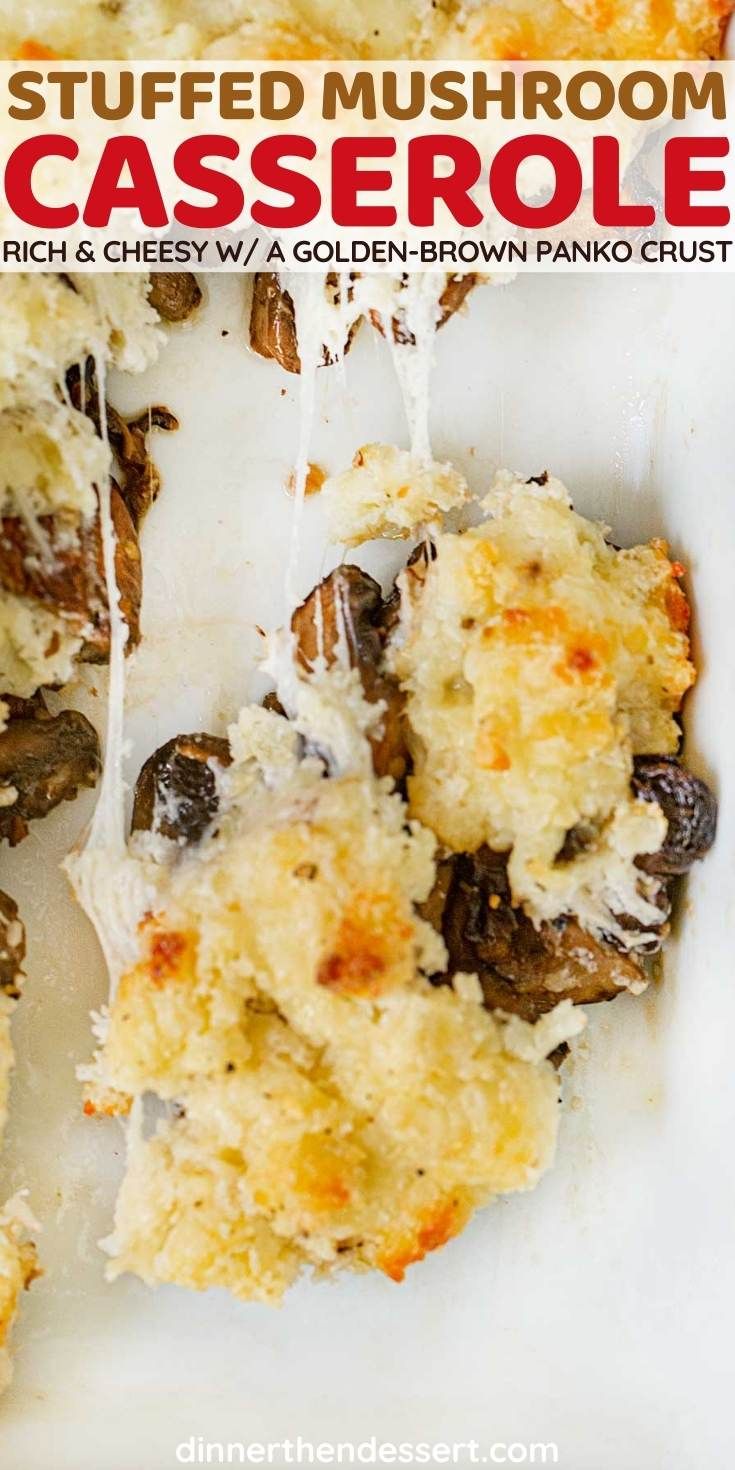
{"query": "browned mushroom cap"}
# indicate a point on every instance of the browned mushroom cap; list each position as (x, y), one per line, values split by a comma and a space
(176, 792)
(140, 481)
(690, 808)
(12, 948)
(273, 323)
(347, 609)
(523, 970)
(44, 759)
(452, 298)
(174, 294)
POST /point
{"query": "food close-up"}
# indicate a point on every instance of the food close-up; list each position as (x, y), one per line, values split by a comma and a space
(365, 698)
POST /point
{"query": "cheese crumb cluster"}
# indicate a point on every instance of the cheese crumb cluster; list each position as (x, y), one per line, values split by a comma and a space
(537, 660)
(50, 457)
(388, 493)
(329, 1108)
(512, 30)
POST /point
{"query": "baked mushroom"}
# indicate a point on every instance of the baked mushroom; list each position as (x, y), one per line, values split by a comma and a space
(347, 610)
(139, 480)
(174, 294)
(44, 759)
(690, 808)
(128, 576)
(273, 319)
(65, 572)
(523, 970)
(176, 792)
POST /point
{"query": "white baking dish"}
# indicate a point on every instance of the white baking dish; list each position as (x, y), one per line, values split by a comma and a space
(595, 1313)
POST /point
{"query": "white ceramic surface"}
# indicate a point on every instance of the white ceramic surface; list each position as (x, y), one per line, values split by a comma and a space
(597, 1312)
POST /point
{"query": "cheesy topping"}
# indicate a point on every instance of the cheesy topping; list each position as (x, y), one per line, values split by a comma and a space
(51, 459)
(388, 492)
(306, 30)
(537, 661)
(334, 1109)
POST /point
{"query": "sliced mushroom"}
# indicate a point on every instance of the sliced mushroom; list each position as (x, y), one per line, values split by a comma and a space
(140, 481)
(347, 611)
(690, 808)
(273, 322)
(524, 970)
(12, 948)
(128, 576)
(174, 294)
(455, 294)
(176, 793)
(44, 759)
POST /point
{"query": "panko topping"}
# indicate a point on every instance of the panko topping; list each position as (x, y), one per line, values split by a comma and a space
(328, 1106)
(537, 661)
(387, 492)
